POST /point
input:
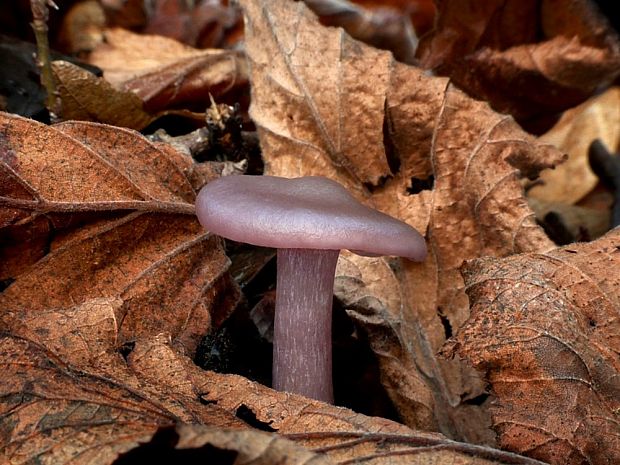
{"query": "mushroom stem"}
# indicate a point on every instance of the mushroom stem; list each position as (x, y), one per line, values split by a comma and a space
(302, 355)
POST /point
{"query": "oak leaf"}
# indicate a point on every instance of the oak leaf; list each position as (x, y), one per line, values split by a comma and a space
(545, 330)
(418, 149)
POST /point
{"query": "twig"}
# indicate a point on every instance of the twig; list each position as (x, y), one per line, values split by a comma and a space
(40, 15)
(607, 167)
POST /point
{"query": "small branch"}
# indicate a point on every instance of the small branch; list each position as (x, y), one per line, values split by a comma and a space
(40, 15)
(607, 167)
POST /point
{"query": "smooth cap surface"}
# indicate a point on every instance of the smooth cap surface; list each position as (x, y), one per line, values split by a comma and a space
(310, 212)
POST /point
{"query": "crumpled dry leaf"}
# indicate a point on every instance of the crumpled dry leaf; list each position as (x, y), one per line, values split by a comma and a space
(92, 211)
(82, 27)
(338, 432)
(385, 27)
(527, 58)
(166, 73)
(70, 395)
(204, 24)
(421, 12)
(598, 118)
(225, 446)
(545, 329)
(418, 149)
(86, 97)
(51, 411)
(576, 224)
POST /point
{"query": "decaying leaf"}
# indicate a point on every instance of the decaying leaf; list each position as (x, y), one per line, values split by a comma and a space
(111, 217)
(571, 223)
(385, 28)
(200, 24)
(82, 403)
(527, 58)
(545, 329)
(82, 27)
(86, 97)
(340, 433)
(418, 149)
(598, 118)
(51, 414)
(166, 73)
(67, 395)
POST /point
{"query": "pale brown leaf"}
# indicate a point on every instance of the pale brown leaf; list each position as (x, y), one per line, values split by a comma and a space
(166, 73)
(86, 97)
(418, 149)
(545, 330)
(385, 27)
(598, 118)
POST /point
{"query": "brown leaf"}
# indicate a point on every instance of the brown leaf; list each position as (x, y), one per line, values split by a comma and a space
(68, 395)
(80, 403)
(545, 329)
(86, 97)
(112, 217)
(52, 411)
(203, 25)
(340, 433)
(82, 27)
(68, 392)
(575, 220)
(421, 12)
(234, 446)
(385, 28)
(418, 149)
(598, 118)
(166, 73)
(525, 58)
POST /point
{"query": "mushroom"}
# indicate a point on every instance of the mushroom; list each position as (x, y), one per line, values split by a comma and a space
(308, 220)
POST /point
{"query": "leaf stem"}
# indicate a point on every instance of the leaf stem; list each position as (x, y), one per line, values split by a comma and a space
(40, 15)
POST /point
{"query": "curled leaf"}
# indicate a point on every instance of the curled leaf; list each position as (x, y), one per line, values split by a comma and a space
(545, 329)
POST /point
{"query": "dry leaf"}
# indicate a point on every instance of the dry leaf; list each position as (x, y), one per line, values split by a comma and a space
(82, 27)
(52, 414)
(581, 223)
(545, 329)
(86, 97)
(92, 407)
(526, 58)
(78, 402)
(166, 73)
(598, 118)
(217, 445)
(418, 149)
(385, 27)
(338, 432)
(203, 25)
(421, 12)
(112, 217)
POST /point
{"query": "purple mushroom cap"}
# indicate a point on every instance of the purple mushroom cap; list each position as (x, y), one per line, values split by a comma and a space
(310, 212)
(308, 220)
